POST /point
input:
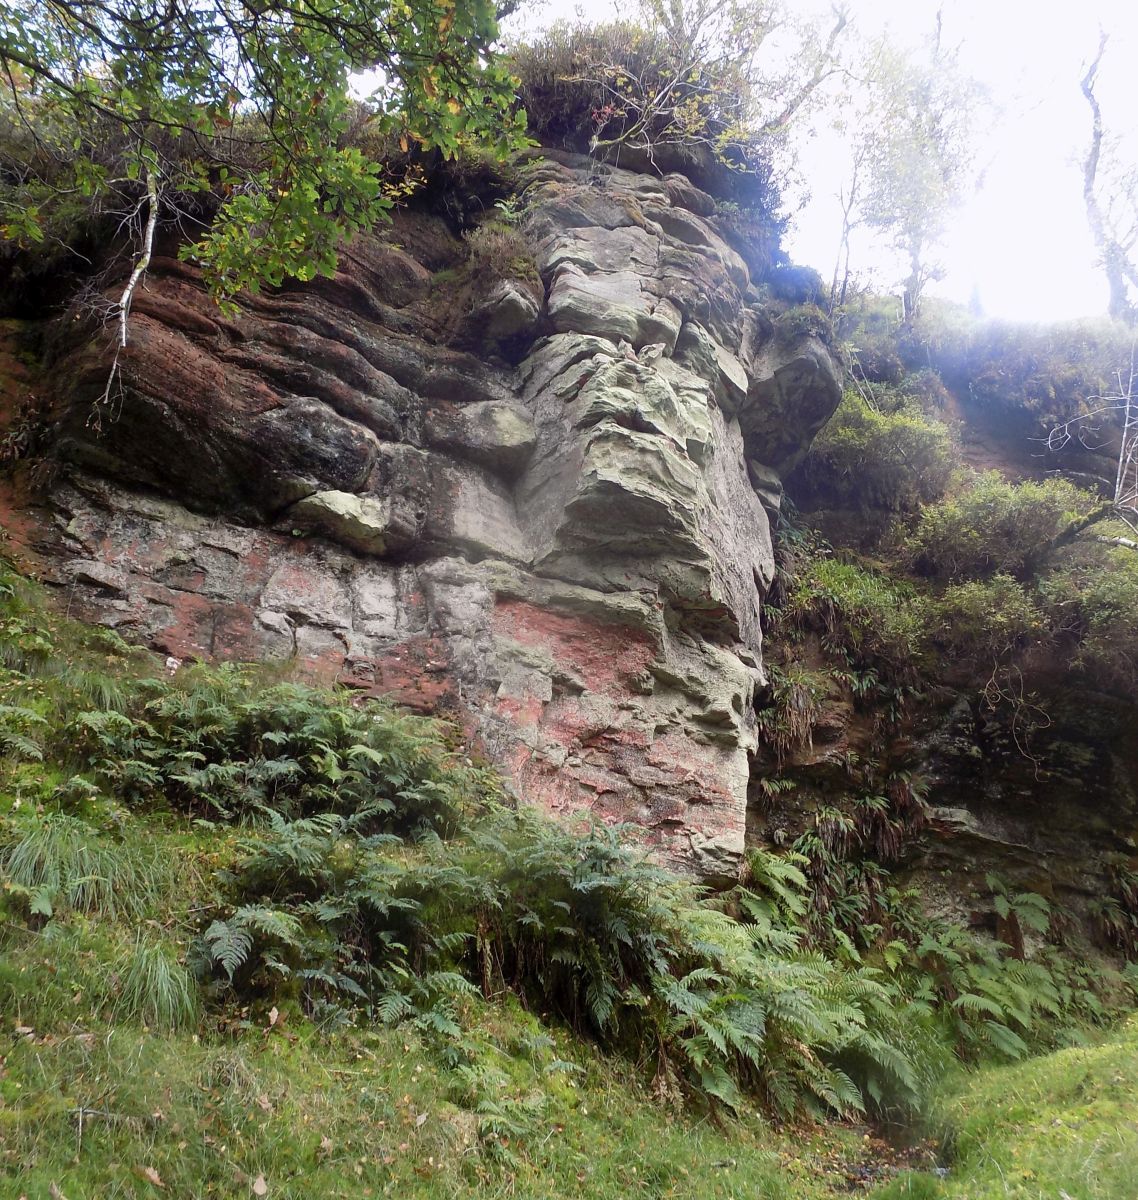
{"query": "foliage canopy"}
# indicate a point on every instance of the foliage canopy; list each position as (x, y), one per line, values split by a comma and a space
(234, 118)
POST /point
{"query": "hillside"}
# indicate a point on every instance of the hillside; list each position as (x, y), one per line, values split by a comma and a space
(195, 899)
(536, 697)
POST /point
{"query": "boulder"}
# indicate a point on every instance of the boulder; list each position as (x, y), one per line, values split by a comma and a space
(358, 522)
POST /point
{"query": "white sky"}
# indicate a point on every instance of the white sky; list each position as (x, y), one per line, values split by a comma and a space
(1021, 241)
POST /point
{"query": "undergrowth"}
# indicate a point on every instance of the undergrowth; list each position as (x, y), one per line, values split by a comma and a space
(226, 857)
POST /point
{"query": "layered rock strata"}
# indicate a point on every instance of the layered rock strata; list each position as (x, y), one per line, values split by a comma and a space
(561, 538)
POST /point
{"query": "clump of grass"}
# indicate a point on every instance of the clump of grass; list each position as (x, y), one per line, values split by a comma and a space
(61, 862)
(155, 990)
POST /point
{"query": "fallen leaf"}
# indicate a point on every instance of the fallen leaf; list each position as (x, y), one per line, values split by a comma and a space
(265, 1103)
(325, 1142)
(274, 1016)
(260, 1187)
(54, 1192)
(420, 1120)
(151, 1176)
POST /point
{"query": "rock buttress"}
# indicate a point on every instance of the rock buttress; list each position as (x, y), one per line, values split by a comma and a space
(562, 540)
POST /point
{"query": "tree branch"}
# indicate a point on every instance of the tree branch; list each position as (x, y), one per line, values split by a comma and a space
(140, 267)
(145, 254)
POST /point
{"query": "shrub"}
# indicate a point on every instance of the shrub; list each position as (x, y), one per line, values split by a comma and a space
(620, 84)
(499, 251)
(991, 526)
(1092, 595)
(864, 616)
(582, 926)
(869, 458)
(986, 619)
(804, 319)
(869, 326)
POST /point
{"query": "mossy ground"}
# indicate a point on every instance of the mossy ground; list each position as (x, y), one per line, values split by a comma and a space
(1061, 1125)
(95, 1110)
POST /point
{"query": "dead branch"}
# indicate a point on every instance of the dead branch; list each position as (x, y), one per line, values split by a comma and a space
(140, 267)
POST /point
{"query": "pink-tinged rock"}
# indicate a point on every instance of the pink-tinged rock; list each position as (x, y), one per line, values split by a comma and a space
(556, 543)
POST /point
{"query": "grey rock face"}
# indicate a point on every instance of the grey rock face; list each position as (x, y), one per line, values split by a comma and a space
(568, 556)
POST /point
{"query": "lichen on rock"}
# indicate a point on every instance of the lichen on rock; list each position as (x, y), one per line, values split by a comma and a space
(562, 540)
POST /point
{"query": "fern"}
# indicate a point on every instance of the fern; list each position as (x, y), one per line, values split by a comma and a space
(228, 946)
(16, 737)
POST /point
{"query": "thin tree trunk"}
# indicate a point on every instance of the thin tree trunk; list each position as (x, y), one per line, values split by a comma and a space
(1113, 258)
(140, 267)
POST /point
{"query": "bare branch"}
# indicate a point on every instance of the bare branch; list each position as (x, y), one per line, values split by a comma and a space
(124, 302)
(1111, 248)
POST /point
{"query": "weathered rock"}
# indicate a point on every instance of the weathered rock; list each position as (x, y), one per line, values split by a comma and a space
(794, 389)
(358, 522)
(499, 436)
(568, 555)
(507, 312)
(767, 485)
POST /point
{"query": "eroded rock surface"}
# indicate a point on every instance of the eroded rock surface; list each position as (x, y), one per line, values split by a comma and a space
(563, 541)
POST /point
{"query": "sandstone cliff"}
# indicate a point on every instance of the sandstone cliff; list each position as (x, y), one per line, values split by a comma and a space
(543, 510)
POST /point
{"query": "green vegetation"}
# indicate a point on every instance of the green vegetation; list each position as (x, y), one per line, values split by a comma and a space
(920, 589)
(984, 620)
(1092, 602)
(238, 124)
(236, 909)
(682, 87)
(947, 559)
(370, 1112)
(989, 525)
(866, 619)
(1048, 372)
(1059, 1125)
(888, 455)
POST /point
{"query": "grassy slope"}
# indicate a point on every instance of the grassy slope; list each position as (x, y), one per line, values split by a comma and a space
(105, 1092)
(215, 1103)
(349, 1113)
(1061, 1125)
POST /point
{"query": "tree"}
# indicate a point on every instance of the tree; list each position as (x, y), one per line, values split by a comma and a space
(914, 155)
(1110, 196)
(696, 76)
(1118, 406)
(235, 119)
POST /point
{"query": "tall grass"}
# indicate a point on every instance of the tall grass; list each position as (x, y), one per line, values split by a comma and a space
(60, 862)
(155, 990)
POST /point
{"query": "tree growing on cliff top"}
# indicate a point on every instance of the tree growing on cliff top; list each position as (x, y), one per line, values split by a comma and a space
(233, 117)
(913, 154)
(679, 80)
(1110, 196)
